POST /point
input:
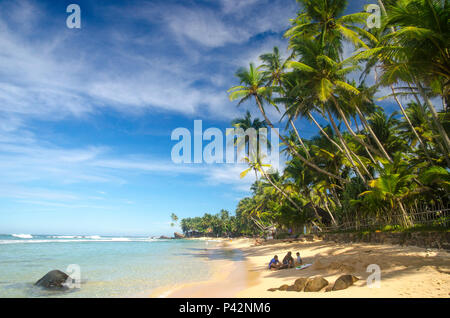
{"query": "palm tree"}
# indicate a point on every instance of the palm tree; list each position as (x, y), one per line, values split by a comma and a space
(274, 72)
(417, 50)
(247, 123)
(321, 78)
(174, 218)
(392, 186)
(252, 85)
(324, 20)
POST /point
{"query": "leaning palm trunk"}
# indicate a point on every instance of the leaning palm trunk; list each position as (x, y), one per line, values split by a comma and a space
(410, 124)
(303, 159)
(357, 138)
(324, 133)
(372, 133)
(435, 117)
(280, 190)
(407, 219)
(344, 146)
(348, 155)
(438, 142)
(300, 139)
(325, 203)
(335, 196)
(360, 162)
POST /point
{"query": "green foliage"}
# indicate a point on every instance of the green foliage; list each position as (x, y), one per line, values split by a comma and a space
(364, 163)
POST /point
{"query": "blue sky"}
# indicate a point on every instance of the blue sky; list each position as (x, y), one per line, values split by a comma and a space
(86, 114)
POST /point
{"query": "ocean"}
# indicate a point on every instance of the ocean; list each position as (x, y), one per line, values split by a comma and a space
(108, 266)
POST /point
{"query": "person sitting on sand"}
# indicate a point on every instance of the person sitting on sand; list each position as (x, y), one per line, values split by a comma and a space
(274, 263)
(299, 259)
(288, 261)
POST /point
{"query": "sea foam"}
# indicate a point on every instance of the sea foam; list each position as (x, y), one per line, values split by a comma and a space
(23, 236)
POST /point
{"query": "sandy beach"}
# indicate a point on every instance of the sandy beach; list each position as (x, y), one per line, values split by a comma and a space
(405, 271)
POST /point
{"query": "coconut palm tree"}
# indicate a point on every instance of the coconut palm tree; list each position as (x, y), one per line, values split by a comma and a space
(324, 21)
(252, 86)
(417, 51)
(393, 184)
(252, 150)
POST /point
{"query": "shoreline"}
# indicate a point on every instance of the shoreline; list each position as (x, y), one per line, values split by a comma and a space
(405, 271)
(229, 277)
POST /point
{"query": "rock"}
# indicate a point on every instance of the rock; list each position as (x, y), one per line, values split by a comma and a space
(344, 282)
(272, 289)
(300, 283)
(178, 235)
(296, 288)
(162, 237)
(53, 280)
(315, 284)
(283, 287)
(291, 288)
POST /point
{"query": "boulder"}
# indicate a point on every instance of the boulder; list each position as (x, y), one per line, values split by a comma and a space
(178, 235)
(283, 287)
(344, 282)
(272, 289)
(315, 284)
(300, 283)
(163, 237)
(291, 288)
(53, 280)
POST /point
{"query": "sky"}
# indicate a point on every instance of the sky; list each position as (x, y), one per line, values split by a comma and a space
(86, 114)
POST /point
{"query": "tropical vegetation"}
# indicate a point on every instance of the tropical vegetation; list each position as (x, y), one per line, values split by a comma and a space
(366, 162)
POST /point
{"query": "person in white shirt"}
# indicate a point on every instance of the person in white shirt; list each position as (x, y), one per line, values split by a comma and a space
(299, 259)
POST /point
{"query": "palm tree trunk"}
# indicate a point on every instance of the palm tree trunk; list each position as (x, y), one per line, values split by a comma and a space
(334, 143)
(303, 159)
(359, 140)
(407, 219)
(325, 203)
(300, 139)
(335, 196)
(280, 190)
(410, 124)
(435, 117)
(324, 133)
(372, 133)
(344, 146)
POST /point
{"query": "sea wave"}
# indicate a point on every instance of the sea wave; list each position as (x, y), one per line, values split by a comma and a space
(74, 239)
(23, 236)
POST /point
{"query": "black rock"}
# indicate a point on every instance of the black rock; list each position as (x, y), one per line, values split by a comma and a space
(53, 280)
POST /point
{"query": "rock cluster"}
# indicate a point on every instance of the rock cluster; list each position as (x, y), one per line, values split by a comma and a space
(315, 284)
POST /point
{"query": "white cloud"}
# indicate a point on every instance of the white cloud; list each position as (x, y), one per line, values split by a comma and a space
(204, 26)
(233, 6)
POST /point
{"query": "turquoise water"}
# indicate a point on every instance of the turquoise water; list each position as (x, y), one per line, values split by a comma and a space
(109, 266)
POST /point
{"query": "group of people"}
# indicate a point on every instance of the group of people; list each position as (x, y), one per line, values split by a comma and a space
(288, 262)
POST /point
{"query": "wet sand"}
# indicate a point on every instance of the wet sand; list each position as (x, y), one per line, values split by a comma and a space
(231, 275)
